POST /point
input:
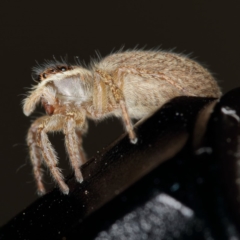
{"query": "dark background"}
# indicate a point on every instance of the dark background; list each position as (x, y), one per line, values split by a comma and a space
(33, 30)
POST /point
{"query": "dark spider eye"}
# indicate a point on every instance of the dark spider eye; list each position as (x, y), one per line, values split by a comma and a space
(52, 70)
(44, 75)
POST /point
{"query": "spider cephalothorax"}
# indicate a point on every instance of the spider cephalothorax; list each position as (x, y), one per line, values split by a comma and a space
(53, 70)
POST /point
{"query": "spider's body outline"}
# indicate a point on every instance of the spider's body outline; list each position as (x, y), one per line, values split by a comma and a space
(130, 85)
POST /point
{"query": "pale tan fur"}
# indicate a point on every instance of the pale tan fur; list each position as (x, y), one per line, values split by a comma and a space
(129, 85)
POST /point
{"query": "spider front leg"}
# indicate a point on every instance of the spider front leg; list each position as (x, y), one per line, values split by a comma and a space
(39, 146)
(36, 155)
(73, 141)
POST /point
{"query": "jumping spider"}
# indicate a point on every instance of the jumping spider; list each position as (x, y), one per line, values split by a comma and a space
(128, 85)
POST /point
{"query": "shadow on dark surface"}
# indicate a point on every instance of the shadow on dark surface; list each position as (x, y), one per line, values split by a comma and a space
(160, 188)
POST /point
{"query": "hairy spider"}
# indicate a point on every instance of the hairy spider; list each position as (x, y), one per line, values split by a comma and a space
(128, 85)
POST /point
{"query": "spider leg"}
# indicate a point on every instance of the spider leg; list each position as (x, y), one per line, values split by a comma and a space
(128, 123)
(36, 156)
(73, 142)
(39, 130)
(119, 98)
(118, 74)
(80, 148)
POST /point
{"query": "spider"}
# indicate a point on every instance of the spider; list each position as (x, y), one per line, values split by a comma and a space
(129, 85)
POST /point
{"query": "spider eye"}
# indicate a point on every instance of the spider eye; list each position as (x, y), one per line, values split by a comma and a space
(52, 70)
(63, 69)
(44, 75)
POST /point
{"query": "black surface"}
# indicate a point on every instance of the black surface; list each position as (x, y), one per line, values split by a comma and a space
(162, 186)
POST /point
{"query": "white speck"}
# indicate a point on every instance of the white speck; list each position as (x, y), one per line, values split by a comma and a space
(230, 112)
(86, 192)
(175, 204)
(134, 141)
(23, 213)
(204, 150)
(177, 113)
